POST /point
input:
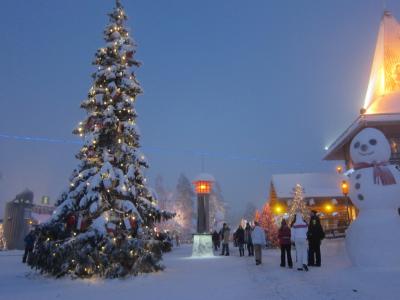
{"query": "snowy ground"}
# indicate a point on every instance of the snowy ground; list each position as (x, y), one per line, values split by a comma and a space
(216, 278)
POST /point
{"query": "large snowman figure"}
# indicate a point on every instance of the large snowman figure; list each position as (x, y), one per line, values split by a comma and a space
(373, 240)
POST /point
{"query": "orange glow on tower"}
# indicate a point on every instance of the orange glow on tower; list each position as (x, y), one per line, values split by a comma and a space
(203, 187)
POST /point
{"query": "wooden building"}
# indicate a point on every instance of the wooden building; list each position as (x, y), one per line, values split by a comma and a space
(381, 108)
(17, 220)
(322, 193)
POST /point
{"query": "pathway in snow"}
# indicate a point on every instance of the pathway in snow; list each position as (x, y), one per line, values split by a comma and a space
(217, 278)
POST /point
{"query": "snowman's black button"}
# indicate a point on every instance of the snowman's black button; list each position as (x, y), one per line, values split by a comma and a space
(358, 176)
(360, 197)
(357, 186)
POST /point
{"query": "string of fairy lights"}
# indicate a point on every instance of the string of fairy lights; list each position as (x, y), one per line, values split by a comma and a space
(166, 150)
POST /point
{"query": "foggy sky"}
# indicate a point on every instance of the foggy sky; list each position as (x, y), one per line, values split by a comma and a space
(262, 86)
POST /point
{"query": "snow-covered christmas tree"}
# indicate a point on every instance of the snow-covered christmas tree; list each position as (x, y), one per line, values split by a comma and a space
(104, 223)
(298, 204)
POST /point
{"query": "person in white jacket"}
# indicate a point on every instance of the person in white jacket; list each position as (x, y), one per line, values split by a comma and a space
(258, 237)
(299, 237)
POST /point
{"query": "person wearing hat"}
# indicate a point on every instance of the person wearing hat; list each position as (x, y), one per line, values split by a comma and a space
(315, 235)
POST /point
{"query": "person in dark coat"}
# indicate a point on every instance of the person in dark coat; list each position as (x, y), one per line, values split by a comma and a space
(248, 240)
(315, 235)
(239, 235)
(284, 236)
(29, 243)
(216, 240)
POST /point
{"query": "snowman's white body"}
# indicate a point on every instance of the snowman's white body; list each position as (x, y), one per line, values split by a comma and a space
(373, 239)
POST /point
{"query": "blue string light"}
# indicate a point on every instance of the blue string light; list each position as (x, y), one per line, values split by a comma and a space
(198, 153)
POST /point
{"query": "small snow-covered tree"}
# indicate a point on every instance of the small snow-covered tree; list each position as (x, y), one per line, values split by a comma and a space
(184, 206)
(164, 196)
(268, 223)
(250, 210)
(104, 223)
(218, 208)
(166, 201)
(298, 204)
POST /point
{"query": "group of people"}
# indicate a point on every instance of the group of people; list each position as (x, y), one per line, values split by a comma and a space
(305, 237)
(299, 233)
(253, 238)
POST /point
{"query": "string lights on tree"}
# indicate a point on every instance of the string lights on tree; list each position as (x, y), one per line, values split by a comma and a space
(104, 224)
(268, 223)
(298, 204)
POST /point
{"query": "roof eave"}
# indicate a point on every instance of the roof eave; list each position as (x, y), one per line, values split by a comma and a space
(336, 151)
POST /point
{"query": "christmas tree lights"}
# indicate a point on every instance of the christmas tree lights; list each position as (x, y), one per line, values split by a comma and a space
(268, 223)
(298, 205)
(104, 224)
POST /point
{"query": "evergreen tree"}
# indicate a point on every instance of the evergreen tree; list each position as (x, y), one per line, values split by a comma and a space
(249, 211)
(268, 223)
(184, 206)
(166, 201)
(164, 196)
(298, 204)
(218, 207)
(104, 223)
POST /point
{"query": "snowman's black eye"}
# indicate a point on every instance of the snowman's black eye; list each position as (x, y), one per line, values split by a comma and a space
(356, 145)
(372, 142)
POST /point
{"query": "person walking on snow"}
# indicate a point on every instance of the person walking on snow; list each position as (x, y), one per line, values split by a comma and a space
(299, 237)
(216, 241)
(240, 239)
(29, 243)
(284, 235)
(247, 238)
(226, 232)
(177, 240)
(315, 235)
(258, 237)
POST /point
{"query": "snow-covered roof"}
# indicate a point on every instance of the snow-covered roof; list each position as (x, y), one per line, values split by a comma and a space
(382, 100)
(336, 150)
(314, 184)
(204, 177)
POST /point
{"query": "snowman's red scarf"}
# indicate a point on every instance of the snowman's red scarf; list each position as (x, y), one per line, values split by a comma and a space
(382, 174)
